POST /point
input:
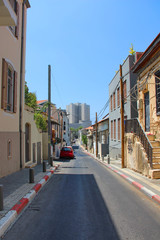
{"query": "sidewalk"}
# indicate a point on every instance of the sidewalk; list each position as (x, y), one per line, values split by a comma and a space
(18, 192)
(150, 187)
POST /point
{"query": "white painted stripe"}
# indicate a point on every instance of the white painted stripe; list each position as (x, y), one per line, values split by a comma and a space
(49, 174)
(7, 220)
(52, 168)
(130, 179)
(30, 195)
(148, 192)
(42, 182)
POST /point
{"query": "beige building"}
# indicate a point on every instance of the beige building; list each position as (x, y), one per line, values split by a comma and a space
(33, 149)
(143, 139)
(12, 78)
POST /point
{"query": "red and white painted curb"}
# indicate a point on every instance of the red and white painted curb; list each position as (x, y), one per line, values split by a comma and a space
(10, 217)
(145, 190)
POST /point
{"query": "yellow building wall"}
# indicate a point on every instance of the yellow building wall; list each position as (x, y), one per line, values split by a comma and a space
(149, 78)
(10, 50)
(35, 134)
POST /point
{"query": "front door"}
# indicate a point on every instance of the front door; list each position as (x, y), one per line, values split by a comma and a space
(38, 152)
(27, 143)
(147, 112)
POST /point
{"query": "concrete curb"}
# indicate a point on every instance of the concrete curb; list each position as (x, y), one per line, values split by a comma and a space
(11, 216)
(143, 189)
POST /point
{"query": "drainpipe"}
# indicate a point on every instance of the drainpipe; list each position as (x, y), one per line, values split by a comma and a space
(21, 83)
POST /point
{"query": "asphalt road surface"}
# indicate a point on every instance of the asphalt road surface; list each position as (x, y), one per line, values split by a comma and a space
(86, 201)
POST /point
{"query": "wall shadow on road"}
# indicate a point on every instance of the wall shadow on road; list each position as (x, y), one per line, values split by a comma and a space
(70, 206)
(74, 167)
(83, 209)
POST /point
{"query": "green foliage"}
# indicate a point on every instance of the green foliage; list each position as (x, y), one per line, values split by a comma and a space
(84, 139)
(74, 131)
(30, 98)
(40, 121)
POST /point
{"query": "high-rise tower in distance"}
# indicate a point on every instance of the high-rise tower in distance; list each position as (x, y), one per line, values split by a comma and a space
(79, 115)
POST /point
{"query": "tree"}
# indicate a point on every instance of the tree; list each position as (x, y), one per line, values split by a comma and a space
(30, 98)
(31, 101)
(40, 121)
(84, 139)
(74, 132)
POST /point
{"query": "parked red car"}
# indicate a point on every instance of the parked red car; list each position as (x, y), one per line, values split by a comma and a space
(67, 152)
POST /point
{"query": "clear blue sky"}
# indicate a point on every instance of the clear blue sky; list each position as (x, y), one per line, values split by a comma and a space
(84, 41)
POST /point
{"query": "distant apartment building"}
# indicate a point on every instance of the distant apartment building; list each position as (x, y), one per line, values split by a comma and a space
(66, 134)
(130, 103)
(79, 115)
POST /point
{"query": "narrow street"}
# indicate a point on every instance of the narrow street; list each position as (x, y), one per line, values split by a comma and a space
(84, 200)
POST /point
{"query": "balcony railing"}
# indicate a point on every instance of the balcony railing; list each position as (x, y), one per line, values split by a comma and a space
(134, 126)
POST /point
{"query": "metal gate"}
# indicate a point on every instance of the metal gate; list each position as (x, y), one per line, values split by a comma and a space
(38, 152)
(34, 152)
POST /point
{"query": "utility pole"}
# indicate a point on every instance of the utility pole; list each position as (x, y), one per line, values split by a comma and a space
(49, 116)
(61, 129)
(122, 117)
(96, 136)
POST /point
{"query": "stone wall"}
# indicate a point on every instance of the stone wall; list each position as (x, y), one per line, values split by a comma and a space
(135, 156)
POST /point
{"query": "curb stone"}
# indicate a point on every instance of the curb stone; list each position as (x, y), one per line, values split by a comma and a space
(11, 216)
(143, 189)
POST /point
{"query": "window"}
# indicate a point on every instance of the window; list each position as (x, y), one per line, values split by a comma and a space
(64, 126)
(14, 5)
(15, 29)
(157, 83)
(111, 130)
(114, 129)
(114, 100)
(9, 88)
(119, 129)
(125, 91)
(118, 97)
(111, 103)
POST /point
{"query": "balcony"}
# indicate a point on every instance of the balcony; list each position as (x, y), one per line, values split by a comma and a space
(8, 15)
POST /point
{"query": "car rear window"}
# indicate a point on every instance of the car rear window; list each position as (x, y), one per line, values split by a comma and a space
(66, 149)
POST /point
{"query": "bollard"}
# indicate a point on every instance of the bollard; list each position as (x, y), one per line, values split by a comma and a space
(31, 175)
(51, 161)
(1, 197)
(98, 156)
(102, 158)
(44, 166)
(108, 159)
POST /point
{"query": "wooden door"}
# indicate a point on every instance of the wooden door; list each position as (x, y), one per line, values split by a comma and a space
(147, 112)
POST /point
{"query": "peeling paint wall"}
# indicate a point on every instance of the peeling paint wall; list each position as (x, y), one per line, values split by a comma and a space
(135, 156)
(147, 77)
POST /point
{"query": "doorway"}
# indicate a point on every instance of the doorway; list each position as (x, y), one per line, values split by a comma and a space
(147, 112)
(27, 142)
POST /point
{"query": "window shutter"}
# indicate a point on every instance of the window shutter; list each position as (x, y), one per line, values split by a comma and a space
(17, 27)
(4, 84)
(15, 93)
